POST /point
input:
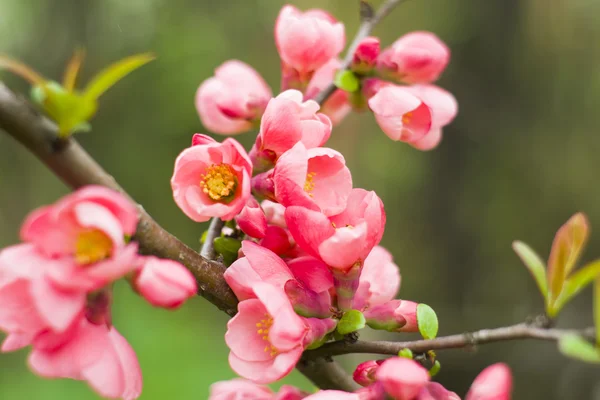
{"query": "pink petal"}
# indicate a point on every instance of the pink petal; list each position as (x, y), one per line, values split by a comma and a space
(312, 272)
(266, 371)
(242, 335)
(59, 308)
(309, 228)
(345, 247)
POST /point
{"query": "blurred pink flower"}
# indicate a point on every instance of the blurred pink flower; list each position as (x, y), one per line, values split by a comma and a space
(333, 395)
(233, 99)
(212, 179)
(337, 106)
(365, 56)
(435, 391)
(402, 378)
(164, 283)
(364, 374)
(493, 383)
(241, 389)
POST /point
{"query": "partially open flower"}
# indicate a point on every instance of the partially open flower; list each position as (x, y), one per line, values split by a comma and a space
(402, 378)
(164, 283)
(364, 374)
(241, 389)
(493, 383)
(365, 56)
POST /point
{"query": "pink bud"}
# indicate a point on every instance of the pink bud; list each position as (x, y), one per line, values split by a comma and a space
(252, 220)
(229, 102)
(493, 383)
(402, 378)
(317, 330)
(417, 57)
(165, 283)
(435, 391)
(306, 302)
(393, 316)
(262, 185)
(364, 374)
(365, 56)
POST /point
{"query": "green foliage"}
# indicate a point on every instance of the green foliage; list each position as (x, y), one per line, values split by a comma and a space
(351, 321)
(435, 369)
(574, 346)
(406, 353)
(228, 248)
(534, 263)
(347, 81)
(427, 321)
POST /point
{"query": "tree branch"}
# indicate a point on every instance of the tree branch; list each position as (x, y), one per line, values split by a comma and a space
(326, 374)
(365, 29)
(469, 339)
(214, 231)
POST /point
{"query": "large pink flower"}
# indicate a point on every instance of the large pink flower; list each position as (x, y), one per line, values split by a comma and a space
(93, 353)
(493, 383)
(212, 179)
(402, 378)
(241, 389)
(400, 114)
(337, 106)
(307, 40)
(233, 99)
(315, 178)
(417, 57)
(164, 283)
(287, 121)
(266, 336)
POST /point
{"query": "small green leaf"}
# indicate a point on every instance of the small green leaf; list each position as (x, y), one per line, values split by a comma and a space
(228, 248)
(597, 308)
(427, 321)
(203, 237)
(347, 81)
(435, 369)
(106, 78)
(351, 321)
(576, 283)
(574, 346)
(406, 353)
(534, 264)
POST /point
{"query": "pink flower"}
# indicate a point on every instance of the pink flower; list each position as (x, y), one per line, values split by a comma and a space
(274, 212)
(493, 383)
(240, 389)
(266, 336)
(307, 40)
(252, 220)
(435, 391)
(417, 57)
(233, 99)
(402, 378)
(365, 56)
(400, 114)
(277, 240)
(337, 106)
(212, 179)
(333, 395)
(164, 283)
(379, 280)
(364, 374)
(393, 316)
(287, 121)
(315, 178)
(93, 353)
(443, 107)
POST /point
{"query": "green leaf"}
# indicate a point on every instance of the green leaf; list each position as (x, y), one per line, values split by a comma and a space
(427, 321)
(435, 369)
(106, 78)
(574, 346)
(534, 264)
(566, 249)
(576, 283)
(597, 308)
(351, 321)
(347, 81)
(228, 248)
(406, 353)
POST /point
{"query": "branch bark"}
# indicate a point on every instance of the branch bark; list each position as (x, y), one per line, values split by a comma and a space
(469, 339)
(214, 231)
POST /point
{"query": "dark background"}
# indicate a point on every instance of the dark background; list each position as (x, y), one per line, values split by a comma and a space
(519, 160)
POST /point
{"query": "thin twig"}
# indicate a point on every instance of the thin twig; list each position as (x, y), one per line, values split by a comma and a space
(214, 231)
(514, 332)
(365, 29)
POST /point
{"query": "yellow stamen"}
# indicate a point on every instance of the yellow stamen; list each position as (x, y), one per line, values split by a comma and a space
(92, 245)
(265, 324)
(309, 185)
(219, 182)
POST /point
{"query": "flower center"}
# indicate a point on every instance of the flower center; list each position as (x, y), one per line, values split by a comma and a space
(263, 330)
(309, 185)
(406, 118)
(219, 182)
(92, 245)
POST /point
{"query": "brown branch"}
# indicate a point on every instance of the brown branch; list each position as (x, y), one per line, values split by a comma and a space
(470, 339)
(214, 231)
(326, 374)
(365, 29)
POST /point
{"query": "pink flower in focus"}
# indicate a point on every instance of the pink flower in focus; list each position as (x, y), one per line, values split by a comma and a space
(333, 395)
(164, 283)
(400, 114)
(417, 57)
(287, 121)
(379, 280)
(252, 220)
(93, 353)
(337, 106)
(402, 378)
(364, 374)
(365, 56)
(307, 40)
(493, 383)
(212, 179)
(266, 336)
(435, 391)
(315, 178)
(229, 102)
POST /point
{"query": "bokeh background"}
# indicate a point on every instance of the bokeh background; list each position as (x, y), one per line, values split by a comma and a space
(521, 157)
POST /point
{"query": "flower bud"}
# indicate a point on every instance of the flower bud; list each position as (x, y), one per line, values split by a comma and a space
(165, 283)
(364, 374)
(393, 316)
(402, 378)
(493, 383)
(318, 329)
(262, 185)
(365, 56)
(307, 302)
(252, 220)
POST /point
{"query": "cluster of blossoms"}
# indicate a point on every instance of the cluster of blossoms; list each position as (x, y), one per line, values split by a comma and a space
(56, 289)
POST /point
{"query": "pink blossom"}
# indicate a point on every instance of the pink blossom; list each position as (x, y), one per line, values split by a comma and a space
(400, 114)
(393, 316)
(417, 57)
(379, 280)
(307, 40)
(333, 395)
(365, 55)
(164, 283)
(212, 179)
(287, 121)
(435, 391)
(266, 336)
(233, 99)
(252, 220)
(364, 374)
(402, 378)
(93, 353)
(493, 383)
(242, 389)
(337, 106)
(315, 178)
(277, 240)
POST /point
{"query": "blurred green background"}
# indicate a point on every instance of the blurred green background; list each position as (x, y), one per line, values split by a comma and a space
(521, 157)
